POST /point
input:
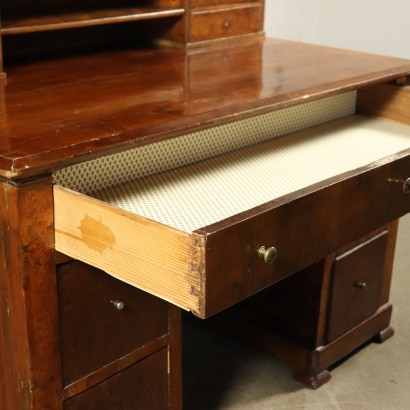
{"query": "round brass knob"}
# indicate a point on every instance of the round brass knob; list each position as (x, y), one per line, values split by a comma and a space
(361, 285)
(406, 186)
(118, 304)
(269, 255)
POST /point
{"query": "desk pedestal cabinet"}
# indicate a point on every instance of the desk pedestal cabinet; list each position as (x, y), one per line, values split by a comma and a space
(324, 312)
(120, 346)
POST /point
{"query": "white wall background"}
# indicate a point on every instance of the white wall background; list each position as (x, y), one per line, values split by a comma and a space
(377, 26)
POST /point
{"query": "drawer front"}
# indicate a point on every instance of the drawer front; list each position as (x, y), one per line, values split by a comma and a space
(303, 227)
(103, 319)
(221, 23)
(357, 280)
(142, 386)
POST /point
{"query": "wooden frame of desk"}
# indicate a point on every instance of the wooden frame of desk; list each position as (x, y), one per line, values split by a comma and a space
(129, 98)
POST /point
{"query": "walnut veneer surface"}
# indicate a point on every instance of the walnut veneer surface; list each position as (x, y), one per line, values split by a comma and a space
(63, 110)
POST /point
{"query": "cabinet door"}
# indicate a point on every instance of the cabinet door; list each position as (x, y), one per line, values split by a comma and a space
(356, 288)
(141, 386)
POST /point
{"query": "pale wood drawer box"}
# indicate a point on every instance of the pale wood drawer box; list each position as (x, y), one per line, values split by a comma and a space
(192, 235)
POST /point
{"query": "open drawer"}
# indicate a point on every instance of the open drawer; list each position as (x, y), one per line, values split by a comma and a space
(196, 235)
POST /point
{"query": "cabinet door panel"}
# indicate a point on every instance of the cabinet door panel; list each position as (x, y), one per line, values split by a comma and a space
(356, 285)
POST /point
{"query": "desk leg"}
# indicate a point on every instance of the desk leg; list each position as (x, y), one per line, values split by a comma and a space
(29, 343)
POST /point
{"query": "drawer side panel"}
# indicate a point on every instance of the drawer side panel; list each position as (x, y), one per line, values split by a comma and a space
(138, 251)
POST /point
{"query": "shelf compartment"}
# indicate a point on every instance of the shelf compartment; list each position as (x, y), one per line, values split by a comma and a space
(59, 21)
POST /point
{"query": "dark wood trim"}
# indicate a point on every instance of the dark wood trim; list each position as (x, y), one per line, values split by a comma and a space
(31, 369)
(388, 266)
(175, 355)
(325, 356)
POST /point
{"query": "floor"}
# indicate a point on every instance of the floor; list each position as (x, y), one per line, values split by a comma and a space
(221, 373)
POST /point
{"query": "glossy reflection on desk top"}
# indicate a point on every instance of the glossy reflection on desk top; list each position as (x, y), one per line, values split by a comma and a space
(55, 112)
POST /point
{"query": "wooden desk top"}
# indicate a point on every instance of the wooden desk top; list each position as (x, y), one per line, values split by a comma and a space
(56, 112)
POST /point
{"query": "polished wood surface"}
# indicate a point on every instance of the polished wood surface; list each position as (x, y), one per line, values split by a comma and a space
(63, 110)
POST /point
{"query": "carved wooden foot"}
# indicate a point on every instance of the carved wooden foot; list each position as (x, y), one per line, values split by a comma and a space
(383, 335)
(313, 381)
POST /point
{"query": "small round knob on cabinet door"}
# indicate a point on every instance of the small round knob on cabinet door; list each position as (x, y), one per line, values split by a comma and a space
(118, 304)
(269, 255)
(406, 186)
(226, 24)
(361, 285)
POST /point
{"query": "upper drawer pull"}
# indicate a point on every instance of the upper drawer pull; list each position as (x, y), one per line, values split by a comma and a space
(406, 186)
(118, 304)
(361, 285)
(269, 255)
(226, 24)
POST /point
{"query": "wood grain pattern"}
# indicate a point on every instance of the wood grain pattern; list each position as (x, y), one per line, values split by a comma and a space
(29, 337)
(141, 252)
(130, 97)
(388, 101)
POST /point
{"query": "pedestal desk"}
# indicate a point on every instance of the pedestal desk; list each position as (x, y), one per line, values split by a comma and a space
(254, 180)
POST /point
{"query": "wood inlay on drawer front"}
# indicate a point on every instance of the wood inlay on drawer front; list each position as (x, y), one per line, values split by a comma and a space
(194, 235)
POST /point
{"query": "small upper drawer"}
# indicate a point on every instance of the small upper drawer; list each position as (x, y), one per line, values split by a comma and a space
(194, 235)
(223, 21)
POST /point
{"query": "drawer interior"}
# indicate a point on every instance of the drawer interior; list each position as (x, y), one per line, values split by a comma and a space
(157, 226)
(206, 192)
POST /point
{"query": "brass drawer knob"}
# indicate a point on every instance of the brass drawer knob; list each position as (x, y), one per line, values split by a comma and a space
(406, 186)
(118, 304)
(361, 285)
(269, 255)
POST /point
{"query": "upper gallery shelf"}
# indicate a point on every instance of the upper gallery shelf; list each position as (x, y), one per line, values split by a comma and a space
(57, 21)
